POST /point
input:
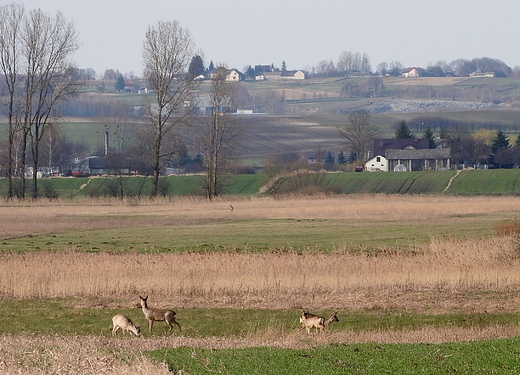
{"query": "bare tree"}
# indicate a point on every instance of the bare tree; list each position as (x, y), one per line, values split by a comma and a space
(395, 68)
(167, 53)
(359, 134)
(34, 49)
(48, 42)
(365, 66)
(11, 17)
(217, 135)
(325, 68)
(345, 62)
(382, 68)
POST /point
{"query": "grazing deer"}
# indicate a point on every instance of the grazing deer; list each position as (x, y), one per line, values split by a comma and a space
(309, 321)
(153, 315)
(123, 322)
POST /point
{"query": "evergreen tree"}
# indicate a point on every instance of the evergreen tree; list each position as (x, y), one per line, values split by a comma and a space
(329, 161)
(500, 156)
(428, 134)
(500, 142)
(329, 158)
(403, 131)
(284, 66)
(196, 67)
(341, 159)
(250, 72)
(120, 83)
(211, 67)
(352, 157)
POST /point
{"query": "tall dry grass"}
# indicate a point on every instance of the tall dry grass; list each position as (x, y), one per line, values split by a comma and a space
(442, 275)
(32, 355)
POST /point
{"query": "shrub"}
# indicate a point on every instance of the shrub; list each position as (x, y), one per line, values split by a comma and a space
(508, 228)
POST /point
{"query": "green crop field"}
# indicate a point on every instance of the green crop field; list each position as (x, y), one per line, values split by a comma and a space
(487, 357)
(467, 182)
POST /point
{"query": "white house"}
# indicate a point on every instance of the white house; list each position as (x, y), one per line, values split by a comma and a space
(413, 72)
(233, 75)
(377, 164)
(480, 74)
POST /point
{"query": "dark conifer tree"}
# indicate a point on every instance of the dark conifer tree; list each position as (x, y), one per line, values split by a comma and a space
(499, 142)
(196, 67)
(428, 134)
(342, 158)
(120, 83)
(403, 131)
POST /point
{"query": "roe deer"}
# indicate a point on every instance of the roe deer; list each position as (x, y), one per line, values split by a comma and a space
(123, 322)
(309, 321)
(153, 315)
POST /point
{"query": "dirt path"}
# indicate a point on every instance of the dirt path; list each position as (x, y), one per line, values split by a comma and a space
(451, 180)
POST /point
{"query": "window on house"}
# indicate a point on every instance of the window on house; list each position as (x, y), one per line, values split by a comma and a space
(378, 159)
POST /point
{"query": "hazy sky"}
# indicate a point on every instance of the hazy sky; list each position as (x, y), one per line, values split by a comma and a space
(299, 32)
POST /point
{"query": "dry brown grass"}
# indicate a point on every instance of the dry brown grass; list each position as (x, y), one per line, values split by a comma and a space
(445, 275)
(22, 218)
(27, 354)
(425, 81)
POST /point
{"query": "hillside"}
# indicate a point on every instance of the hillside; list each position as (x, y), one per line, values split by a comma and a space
(311, 111)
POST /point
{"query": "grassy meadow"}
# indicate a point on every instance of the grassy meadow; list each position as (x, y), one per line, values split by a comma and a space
(421, 284)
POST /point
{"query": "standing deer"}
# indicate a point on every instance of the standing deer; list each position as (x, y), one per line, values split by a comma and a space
(153, 315)
(123, 322)
(309, 321)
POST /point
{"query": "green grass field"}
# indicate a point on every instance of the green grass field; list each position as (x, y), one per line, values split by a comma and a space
(500, 356)
(83, 319)
(480, 357)
(468, 182)
(324, 236)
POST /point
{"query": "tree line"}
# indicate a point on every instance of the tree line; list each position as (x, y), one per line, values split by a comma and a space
(355, 63)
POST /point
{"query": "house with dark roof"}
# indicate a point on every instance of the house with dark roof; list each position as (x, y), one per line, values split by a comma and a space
(293, 74)
(435, 159)
(381, 145)
(407, 155)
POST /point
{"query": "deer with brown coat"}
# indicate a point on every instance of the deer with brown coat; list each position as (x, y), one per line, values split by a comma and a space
(309, 321)
(153, 315)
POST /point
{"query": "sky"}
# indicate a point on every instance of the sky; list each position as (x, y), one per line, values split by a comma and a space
(238, 33)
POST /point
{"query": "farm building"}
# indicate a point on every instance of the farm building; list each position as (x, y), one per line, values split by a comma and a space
(407, 155)
(410, 160)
